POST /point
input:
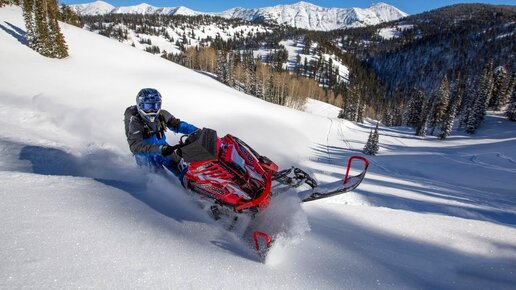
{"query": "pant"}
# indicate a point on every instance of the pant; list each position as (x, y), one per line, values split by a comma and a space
(155, 162)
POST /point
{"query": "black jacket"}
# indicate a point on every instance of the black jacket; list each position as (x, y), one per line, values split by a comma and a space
(137, 130)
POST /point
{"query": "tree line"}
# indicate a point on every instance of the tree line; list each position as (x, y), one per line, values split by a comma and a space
(435, 115)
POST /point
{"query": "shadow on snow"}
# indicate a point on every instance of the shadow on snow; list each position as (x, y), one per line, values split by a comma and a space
(15, 32)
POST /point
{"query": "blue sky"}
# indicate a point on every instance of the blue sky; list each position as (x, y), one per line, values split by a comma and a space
(409, 6)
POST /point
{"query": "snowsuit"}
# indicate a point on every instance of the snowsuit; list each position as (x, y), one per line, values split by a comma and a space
(146, 139)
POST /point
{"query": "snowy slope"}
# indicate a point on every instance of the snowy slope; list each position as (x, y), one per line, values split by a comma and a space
(301, 15)
(76, 212)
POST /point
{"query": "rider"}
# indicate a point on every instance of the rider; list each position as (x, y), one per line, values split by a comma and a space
(145, 126)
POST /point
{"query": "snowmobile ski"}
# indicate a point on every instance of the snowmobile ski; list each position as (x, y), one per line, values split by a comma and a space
(262, 250)
(337, 187)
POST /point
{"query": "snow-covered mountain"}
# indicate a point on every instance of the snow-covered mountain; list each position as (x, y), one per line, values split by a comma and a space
(145, 8)
(93, 8)
(101, 8)
(308, 16)
(301, 15)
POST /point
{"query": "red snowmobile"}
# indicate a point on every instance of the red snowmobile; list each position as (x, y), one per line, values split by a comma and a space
(235, 178)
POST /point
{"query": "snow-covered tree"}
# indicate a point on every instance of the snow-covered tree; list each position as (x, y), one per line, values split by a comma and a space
(422, 126)
(43, 32)
(352, 107)
(440, 104)
(447, 124)
(230, 69)
(511, 111)
(9, 2)
(69, 16)
(499, 95)
(28, 16)
(361, 113)
(372, 146)
(511, 108)
(43, 45)
(414, 110)
(221, 66)
(58, 49)
(479, 105)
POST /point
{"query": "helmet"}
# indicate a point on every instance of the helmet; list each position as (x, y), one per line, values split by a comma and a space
(148, 102)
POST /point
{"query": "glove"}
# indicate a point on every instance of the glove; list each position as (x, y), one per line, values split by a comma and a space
(167, 150)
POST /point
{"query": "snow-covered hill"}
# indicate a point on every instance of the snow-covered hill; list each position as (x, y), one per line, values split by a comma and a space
(300, 15)
(77, 213)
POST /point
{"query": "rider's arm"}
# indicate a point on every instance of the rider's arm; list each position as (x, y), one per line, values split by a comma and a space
(135, 138)
(177, 125)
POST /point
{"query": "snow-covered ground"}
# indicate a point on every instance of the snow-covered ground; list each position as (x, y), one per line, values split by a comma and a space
(295, 48)
(393, 32)
(77, 213)
(193, 35)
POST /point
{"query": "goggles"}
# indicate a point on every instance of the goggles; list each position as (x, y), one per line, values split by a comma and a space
(150, 107)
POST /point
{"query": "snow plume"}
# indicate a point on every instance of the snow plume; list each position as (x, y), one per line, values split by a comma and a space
(285, 221)
(168, 197)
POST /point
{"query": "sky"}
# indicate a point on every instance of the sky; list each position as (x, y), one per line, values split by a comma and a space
(408, 6)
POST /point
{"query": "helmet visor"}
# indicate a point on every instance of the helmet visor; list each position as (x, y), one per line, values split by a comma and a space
(150, 107)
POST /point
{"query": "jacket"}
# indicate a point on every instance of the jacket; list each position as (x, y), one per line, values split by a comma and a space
(144, 137)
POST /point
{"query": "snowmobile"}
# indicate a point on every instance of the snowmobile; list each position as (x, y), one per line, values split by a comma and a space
(237, 179)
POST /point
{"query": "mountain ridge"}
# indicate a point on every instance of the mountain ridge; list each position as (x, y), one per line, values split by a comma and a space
(302, 14)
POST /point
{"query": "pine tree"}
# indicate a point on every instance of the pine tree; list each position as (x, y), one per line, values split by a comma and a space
(479, 104)
(500, 86)
(9, 2)
(230, 68)
(58, 49)
(352, 104)
(511, 111)
(297, 66)
(447, 125)
(511, 108)
(440, 104)
(468, 101)
(415, 108)
(43, 45)
(43, 32)
(221, 67)
(372, 146)
(422, 126)
(369, 144)
(269, 88)
(361, 113)
(28, 16)
(69, 16)
(376, 140)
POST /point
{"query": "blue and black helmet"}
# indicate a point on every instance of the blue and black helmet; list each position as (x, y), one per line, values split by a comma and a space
(148, 102)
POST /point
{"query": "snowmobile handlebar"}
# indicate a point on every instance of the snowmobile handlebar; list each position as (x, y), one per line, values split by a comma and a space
(366, 165)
